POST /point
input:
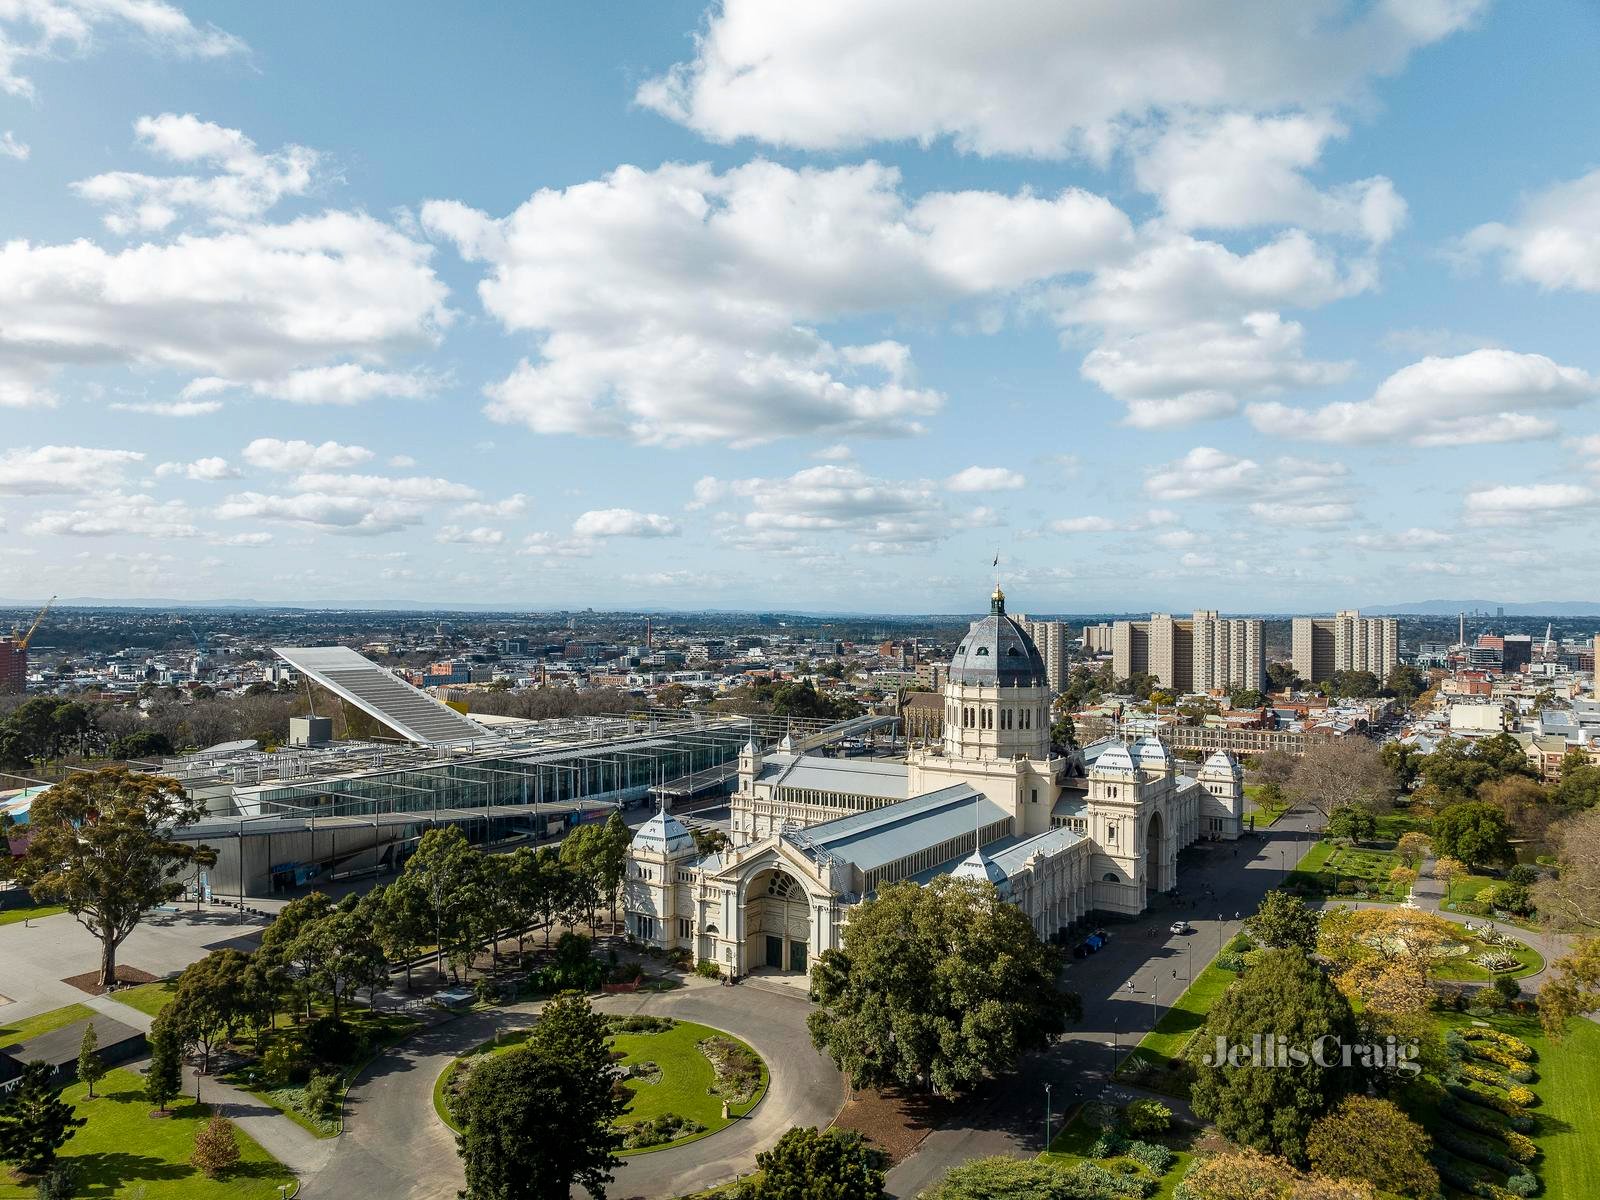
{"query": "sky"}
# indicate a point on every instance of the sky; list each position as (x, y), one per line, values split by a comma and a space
(1168, 304)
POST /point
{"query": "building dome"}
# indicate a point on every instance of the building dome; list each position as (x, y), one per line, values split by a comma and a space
(663, 834)
(979, 865)
(1115, 758)
(997, 652)
(1151, 754)
(1222, 763)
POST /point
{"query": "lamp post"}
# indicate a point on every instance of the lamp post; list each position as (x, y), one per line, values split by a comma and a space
(1047, 1116)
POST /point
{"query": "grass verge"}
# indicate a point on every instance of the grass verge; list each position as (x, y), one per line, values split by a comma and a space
(45, 1022)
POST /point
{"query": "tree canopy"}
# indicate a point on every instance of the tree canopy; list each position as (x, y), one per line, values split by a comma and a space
(101, 846)
(1283, 920)
(820, 1164)
(938, 986)
(1283, 995)
(1474, 832)
(1371, 1139)
(34, 1121)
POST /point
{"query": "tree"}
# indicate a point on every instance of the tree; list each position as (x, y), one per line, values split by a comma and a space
(1338, 773)
(34, 1121)
(1283, 920)
(570, 1031)
(1247, 698)
(1580, 782)
(554, 886)
(1412, 847)
(1572, 899)
(100, 845)
(1447, 870)
(164, 1080)
(1354, 685)
(209, 1001)
(1366, 1138)
(1350, 935)
(445, 864)
(216, 1150)
(536, 1126)
(1402, 761)
(145, 743)
(404, 920)
(1281, 676)
(1244, 1174)
(1390, 985)
(582, 855)
(1405, 683)
(1353, 821)
(1282, 996)
(938, 985)
(1573, 989)
(1474, 832)
(820, 1164)
(286, 943)
(91, 1067)
(1528, 805)
(611, 857)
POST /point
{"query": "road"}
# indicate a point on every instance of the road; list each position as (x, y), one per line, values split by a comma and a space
(1220, 884)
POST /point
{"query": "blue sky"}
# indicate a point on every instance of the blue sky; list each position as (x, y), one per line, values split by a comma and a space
(1234, 305)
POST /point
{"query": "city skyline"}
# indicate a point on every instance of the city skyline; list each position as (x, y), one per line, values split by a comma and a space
(542, 311)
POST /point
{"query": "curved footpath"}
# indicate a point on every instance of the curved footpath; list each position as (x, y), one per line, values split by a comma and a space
(395, 1146)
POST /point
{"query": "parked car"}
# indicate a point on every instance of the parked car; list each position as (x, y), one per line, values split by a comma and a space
(1179, 927)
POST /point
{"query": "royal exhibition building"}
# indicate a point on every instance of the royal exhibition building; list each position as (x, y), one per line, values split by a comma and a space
(1060, 836)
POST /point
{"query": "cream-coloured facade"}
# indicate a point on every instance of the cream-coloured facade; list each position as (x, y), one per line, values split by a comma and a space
(1060, 836)
(1203, 653)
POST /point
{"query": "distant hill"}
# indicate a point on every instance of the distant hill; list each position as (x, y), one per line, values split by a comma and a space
(1449, 608)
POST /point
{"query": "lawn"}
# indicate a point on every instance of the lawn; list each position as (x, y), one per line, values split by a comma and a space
(1163, 1046)
(685, 1086)
(1568, 1087)
(15, 916)
(1392, 826)
(1073, 1145)
(1265, 813)
(148, 998)
(1326, 866)
(1461, 968)
(123, 1152)
(45, 1022)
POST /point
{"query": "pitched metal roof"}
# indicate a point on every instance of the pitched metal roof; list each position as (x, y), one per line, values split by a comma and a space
(861, 777)
(886, 835)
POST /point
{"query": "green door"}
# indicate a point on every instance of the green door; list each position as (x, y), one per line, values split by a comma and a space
(797, 956)
(775, 952)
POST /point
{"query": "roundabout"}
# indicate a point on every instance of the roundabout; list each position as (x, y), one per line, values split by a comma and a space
(686, 1080)
(395, 1144)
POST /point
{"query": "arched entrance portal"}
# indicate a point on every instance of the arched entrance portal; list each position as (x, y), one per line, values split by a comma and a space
(1155, 866)
(777, 922)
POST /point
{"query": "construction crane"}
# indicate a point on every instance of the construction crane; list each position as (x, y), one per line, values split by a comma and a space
(22, 639)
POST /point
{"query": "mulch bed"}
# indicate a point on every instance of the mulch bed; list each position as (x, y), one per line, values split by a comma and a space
(894, 1121)
(89, 981)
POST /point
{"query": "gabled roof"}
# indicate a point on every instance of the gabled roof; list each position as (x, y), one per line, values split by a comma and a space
(663, 834)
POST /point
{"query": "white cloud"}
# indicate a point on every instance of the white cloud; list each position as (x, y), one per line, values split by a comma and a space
(1484, 396)
(1036, 77)
(1415, 538)
(479, 536)
(420, 488)
(680, 305)
(1204, 471)
(838, 452)
(1509, 503)
(1190, 372)
(350, 515)
(1555, 241)
(986, 479)
(402, 461)
(168, 408)
(338, 383)
(1302, 515)
(272, 454)
(114, 514)
(511, 506)
(204, 469)
(45, 29)
(61, 470)
(247, 182)
(622, 522)
(882, 514)
(549, 545)
(1238, 170)
(1085, 525)
(10, 147)
(247, 303)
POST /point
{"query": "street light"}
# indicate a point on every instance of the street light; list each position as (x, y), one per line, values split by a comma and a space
(1047, 1116)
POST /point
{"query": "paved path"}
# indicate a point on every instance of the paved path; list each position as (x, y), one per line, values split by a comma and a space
(394, 1146)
